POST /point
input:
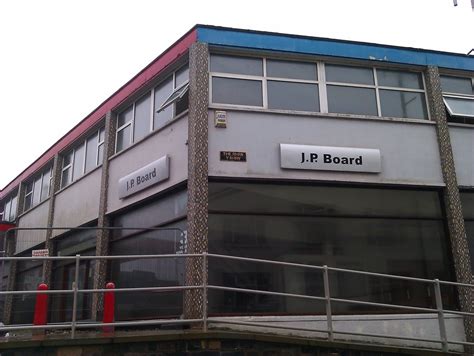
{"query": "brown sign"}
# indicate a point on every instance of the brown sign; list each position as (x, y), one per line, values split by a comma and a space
(233, 156)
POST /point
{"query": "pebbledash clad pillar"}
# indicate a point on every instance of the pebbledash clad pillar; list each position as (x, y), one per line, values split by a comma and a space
(197, 175)
(103, 236)
(452, 200)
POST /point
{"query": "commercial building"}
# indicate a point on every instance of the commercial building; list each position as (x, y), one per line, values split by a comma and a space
(261, 145)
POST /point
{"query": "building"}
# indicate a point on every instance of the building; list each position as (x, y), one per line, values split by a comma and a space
(262, 145)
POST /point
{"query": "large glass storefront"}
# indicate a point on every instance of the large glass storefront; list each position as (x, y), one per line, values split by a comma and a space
(169, 214)
(391, 231)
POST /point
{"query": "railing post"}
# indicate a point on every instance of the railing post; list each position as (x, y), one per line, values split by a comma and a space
(204, 291)
(327, 296)
(74, 300)
(439, 307)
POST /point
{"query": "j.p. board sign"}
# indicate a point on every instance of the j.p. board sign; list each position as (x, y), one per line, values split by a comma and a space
(327, 158)
(145, 177)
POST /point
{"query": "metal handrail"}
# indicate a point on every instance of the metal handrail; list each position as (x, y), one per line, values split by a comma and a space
(205, 287)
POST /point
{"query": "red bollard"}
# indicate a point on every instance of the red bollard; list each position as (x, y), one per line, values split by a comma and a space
(41, 306)
(109, 307)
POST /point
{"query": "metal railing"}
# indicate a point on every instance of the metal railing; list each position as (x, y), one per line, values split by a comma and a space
(205, 321)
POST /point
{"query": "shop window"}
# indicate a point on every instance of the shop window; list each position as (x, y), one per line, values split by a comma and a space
(84, 157)
(458, 96)
(38, 189)
(390, 231)
(154, 109)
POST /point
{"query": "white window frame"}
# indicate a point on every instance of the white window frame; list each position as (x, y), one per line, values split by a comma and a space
(461, 96)
(184, 86)
(31, 193)
(70, 166)
(8, 214)
(321, 82)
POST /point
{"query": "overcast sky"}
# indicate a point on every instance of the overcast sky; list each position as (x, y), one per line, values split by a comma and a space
(60, 59)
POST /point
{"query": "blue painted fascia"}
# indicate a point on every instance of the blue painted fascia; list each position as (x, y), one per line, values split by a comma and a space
(335, 48)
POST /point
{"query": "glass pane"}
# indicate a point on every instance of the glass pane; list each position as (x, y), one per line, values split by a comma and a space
(100, 154)
(182, 104)
(324, 201)
(125, 116)
(67, 159)
(37, 191)
(181, 76)
(91, 159)
(13, 208)
(294, 70)
(101, 134)
(467, 200)
(403, 104)
(236, 65)
(78, 164)
(292, 96)
(162, 92)
(29, 188)
(28, 201)
(349, 100)
(394, 78)
(7, 209)
(66, 177)
(142, 118)
(45, 184)
(460, 107)
(123, 138)
(237, 91)
(457, 85)
(345, 74)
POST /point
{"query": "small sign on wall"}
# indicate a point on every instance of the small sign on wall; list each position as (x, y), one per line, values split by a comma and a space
(144, 177)
(326, 158)
(233, 156)
(40, 253)
(220, 119)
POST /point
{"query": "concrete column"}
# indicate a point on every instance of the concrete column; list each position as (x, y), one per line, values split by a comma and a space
(197, 174)
(455, 219)
(103, 236)
(10, 251)
(55, 186)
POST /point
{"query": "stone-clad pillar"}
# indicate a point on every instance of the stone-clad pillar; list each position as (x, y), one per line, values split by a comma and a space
(10, 251)
(103, 236)
(455, 219)
(55, 186)
(197, 174)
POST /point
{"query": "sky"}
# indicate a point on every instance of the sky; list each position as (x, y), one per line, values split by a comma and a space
(60, 59)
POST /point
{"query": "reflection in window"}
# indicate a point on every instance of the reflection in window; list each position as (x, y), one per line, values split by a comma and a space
(83, 158)
(146, 114)
(458, 95)
(38, 189)
(380, 230)
(237, 91)
(349, 100)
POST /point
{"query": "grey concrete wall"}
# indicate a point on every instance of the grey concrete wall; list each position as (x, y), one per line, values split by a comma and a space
(462, 141)
(35, 217)
(78, 203)
(172, 140)
(409, 150)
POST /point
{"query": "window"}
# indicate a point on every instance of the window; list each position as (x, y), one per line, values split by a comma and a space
(458, 96)
(9, 208)
(393, 231)
(83, 158)
(294, 85)
(153, 110)
(38, 189)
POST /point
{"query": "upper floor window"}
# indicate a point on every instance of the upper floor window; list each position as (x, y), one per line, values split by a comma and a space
(317, 87)
(38, 189)
(84, 157)
(154, 109)
(458, 96)
(10, 207)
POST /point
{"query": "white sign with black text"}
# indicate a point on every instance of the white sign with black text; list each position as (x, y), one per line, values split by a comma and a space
(145, 177)
(328, 158)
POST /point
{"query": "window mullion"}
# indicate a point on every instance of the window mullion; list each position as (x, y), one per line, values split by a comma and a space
(264, 85)
(377, 94)
(323, 96)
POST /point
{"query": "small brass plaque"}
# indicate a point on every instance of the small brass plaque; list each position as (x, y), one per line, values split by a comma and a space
(233, 156)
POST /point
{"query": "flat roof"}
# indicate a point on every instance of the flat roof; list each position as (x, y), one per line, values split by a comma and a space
(249, 39)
